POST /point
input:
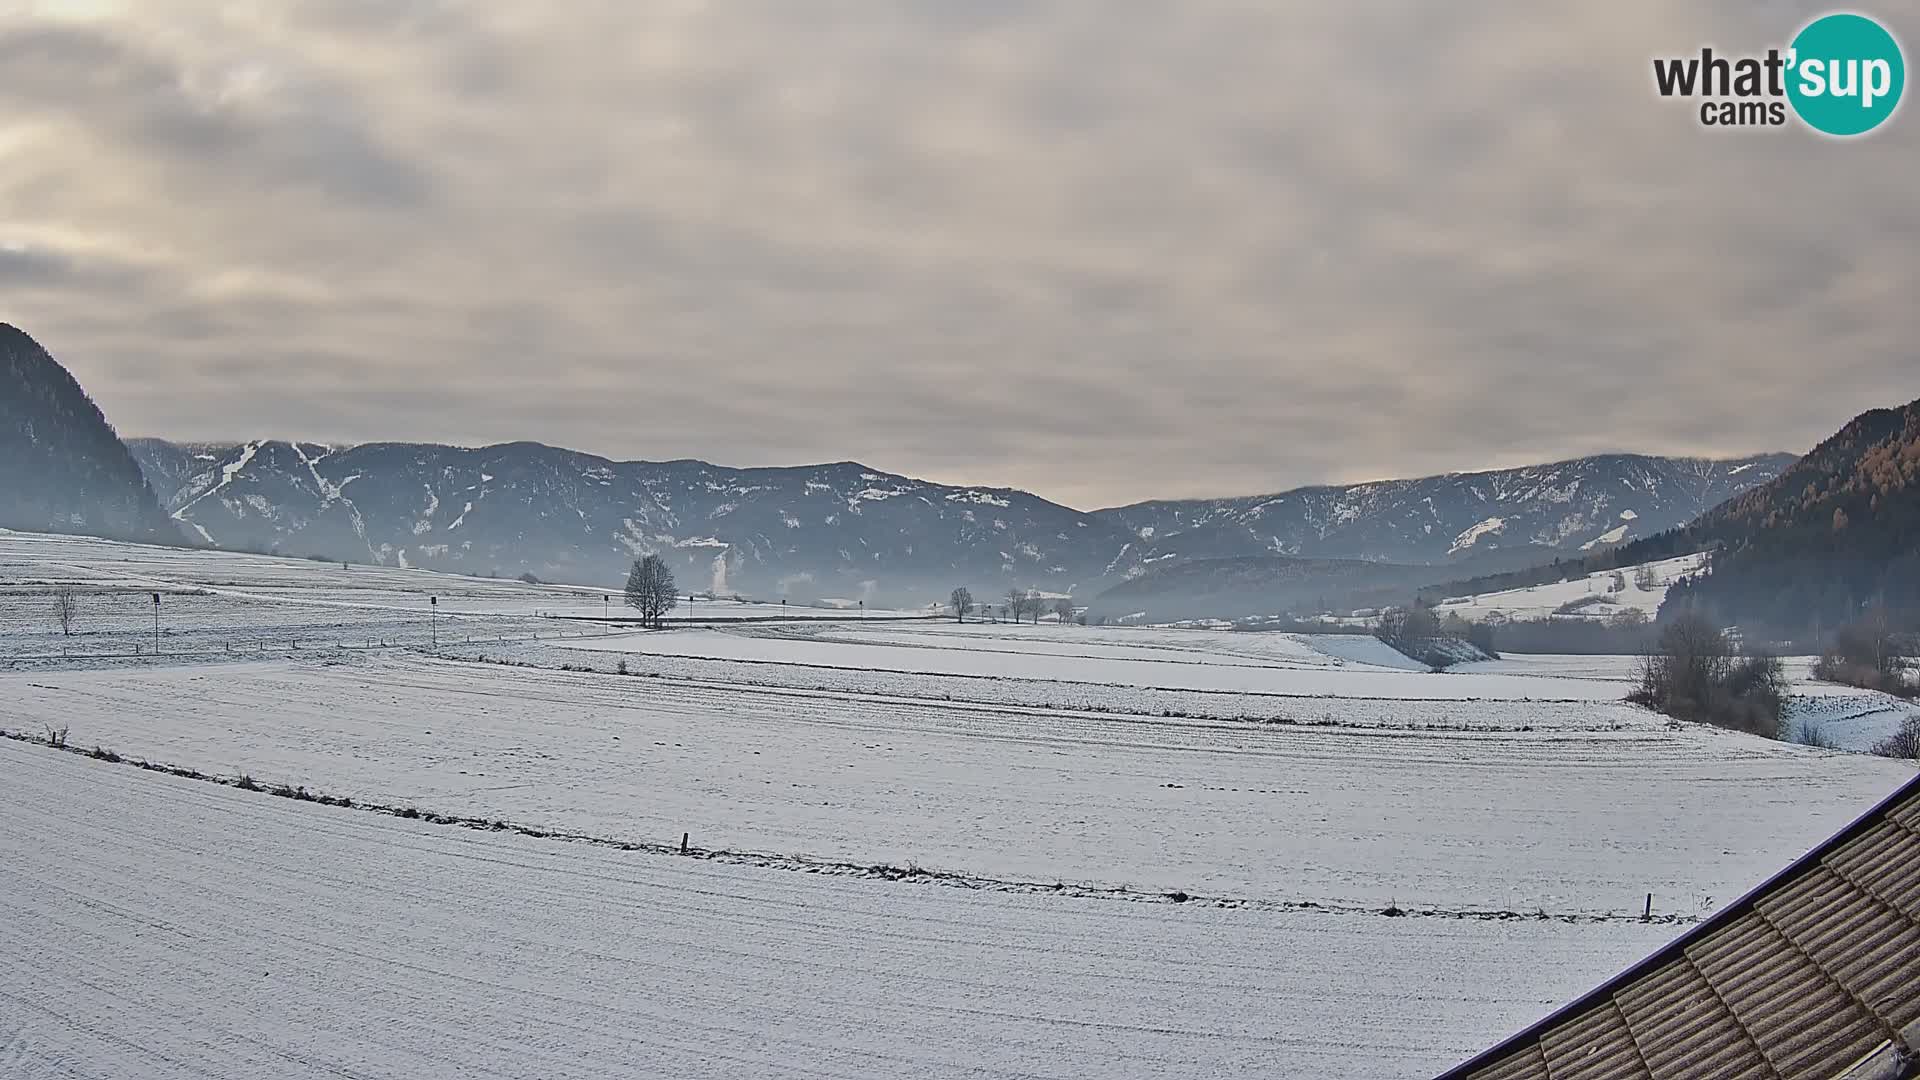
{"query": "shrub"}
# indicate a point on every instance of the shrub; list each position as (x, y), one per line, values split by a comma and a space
(1904, 743)
(621, 669)
(1811, 734)
(57, 737)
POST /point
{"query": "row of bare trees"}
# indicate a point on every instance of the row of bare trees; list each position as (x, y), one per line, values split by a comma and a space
(1020, 604)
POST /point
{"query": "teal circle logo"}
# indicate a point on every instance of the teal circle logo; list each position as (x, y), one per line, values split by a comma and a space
(1846, 74)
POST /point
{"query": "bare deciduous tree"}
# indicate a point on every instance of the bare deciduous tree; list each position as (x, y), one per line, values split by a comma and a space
(962, 602)
(65, 607)
(1645, 579)
(1063, 610)
(1036, 607)
(1904, 743)
(1016, 604)
(651, 590)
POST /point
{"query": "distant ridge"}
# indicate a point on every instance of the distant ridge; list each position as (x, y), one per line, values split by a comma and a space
(1569, 507)
(846, 530)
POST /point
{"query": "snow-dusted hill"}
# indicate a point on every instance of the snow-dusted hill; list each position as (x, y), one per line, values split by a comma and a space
(1599, 595)
(1567, 506)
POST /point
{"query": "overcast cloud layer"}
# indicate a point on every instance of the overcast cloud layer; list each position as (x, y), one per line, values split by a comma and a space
(1101, 249)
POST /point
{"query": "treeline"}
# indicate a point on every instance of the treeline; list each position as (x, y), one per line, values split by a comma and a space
(1630, 633)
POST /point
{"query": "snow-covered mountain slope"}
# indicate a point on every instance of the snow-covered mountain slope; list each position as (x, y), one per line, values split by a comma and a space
(1567, 506)
(824, 530)
(1601, 595)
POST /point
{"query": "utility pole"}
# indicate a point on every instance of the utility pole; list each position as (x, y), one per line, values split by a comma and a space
(433, 622)
(156, 624)
(606, 615)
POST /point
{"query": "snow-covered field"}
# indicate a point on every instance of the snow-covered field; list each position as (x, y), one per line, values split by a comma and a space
(163, 928)
(928, 848)
(1592, 592)
(221, 603)
(1292, 665)
(1572, 822)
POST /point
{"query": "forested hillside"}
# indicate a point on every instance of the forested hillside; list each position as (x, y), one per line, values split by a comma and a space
(1838, 531)
(62, 468)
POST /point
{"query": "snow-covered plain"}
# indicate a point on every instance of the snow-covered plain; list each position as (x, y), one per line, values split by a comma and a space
(190, 929)
(1295, 664)
(163, 928)
(1569, 822)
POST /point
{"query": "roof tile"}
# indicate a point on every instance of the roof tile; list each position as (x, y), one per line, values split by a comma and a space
(1796, 981)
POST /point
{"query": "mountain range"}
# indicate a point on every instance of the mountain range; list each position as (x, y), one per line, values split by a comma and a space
(839, 530)
(846, 530)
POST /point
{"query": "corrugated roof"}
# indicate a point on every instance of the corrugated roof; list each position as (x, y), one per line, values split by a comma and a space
(1815, 975)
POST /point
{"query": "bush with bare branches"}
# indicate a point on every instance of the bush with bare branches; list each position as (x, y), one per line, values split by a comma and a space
(1694, 673)
(1904, 743)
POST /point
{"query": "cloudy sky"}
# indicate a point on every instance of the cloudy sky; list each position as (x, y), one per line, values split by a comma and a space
(1101, 249)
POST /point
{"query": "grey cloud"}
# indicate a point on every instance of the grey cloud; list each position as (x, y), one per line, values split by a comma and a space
(314, 139)
(1105, 251)
(33, 268)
